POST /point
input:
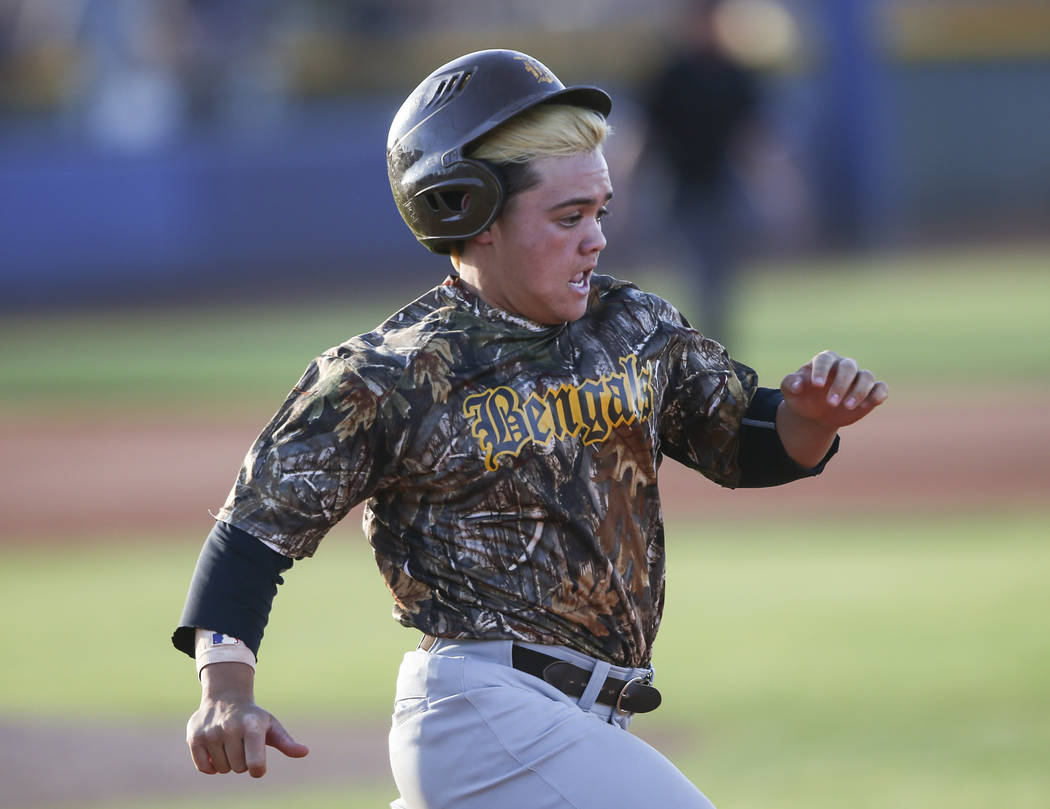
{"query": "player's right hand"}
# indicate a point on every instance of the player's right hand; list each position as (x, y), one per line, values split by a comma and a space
(229, 731)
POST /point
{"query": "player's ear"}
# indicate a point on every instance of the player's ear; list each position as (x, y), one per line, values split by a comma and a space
(466, 248)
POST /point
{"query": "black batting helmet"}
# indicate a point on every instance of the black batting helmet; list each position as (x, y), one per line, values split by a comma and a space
(443, 196)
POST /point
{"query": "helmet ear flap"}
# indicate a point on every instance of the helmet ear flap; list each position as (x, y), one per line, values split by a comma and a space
(460, 205)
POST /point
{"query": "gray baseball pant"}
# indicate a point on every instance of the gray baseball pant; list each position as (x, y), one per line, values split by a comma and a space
(469, 731)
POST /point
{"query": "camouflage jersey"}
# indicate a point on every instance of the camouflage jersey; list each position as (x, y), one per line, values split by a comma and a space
(509, 468)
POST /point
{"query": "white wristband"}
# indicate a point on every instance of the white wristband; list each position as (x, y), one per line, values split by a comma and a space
(215, 647)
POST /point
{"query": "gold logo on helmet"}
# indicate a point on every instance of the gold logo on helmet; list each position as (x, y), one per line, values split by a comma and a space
(538, 71)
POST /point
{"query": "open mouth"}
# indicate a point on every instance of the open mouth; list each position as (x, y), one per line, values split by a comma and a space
(581, 282)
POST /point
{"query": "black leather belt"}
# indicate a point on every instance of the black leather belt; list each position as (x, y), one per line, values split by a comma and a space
(627, 696)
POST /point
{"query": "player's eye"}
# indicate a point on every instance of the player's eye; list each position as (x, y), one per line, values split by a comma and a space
(577, 216)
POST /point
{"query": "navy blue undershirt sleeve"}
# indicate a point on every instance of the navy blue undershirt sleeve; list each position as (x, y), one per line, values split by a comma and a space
(232, 589)
(763, 459)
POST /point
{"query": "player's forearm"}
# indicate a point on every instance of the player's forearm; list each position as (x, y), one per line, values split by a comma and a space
(804, 440)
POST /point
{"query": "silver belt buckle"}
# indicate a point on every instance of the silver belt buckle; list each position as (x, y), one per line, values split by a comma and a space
(619, 699)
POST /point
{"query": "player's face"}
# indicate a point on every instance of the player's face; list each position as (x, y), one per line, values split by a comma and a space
(545, 244)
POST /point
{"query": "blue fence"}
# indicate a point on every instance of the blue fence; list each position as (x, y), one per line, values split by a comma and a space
(308, 199)
(306, 202)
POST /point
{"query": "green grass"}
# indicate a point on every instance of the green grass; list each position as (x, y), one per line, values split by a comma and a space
(930, 320)
(899, 663)
(200, 357)
(86, 601)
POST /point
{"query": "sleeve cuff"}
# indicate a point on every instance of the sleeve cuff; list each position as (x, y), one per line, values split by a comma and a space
(232, 589)
(763, 459)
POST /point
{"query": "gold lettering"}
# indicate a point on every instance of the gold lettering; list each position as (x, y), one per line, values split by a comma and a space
(537, 70)
(595, 424)
(539, 418)
(630, 377)
(499, 424)
(503, 424)
(620, 411)
(564, 407)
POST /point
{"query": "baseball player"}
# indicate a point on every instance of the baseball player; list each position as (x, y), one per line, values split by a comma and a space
(505, 430)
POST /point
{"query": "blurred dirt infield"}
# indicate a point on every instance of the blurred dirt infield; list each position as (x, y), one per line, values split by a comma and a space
(90, 477)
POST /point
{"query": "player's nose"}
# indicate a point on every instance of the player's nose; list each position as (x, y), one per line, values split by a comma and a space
(594, 240)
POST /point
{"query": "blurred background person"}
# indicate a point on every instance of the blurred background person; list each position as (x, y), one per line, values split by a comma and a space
(723, 168)
(153, 70)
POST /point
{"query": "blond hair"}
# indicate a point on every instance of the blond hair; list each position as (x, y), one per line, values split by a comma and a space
(546, 130)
